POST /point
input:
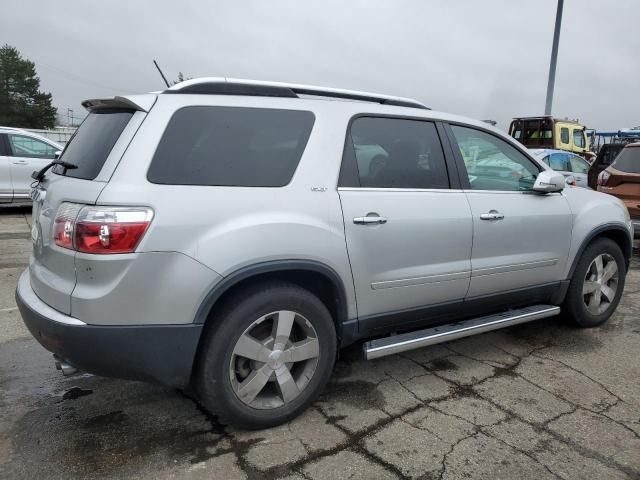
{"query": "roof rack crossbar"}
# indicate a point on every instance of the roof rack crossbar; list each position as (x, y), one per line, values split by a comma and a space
(224, 86)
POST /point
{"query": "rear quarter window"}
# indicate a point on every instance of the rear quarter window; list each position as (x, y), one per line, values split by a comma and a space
(231, 146)
(91, 144)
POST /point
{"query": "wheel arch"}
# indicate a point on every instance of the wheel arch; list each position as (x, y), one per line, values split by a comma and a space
(320, 279)
(616, 232)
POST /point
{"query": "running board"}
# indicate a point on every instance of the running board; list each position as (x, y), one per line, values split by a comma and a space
(452, 331)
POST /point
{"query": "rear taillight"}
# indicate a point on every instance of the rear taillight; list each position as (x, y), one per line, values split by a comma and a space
(603, 178)
(90, 229)
(64, 224)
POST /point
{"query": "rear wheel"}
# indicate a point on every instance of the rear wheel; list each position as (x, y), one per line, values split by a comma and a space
(269, 356)
(597, 284)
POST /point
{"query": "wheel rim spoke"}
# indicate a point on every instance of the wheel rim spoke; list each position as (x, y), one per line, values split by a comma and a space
(249, 389)
(304, 350)
(589, 287)
(286, 384)
(251, 348)
(282, 325)
(594, 301)
(609, 271)
(599, 266)
(608, 292)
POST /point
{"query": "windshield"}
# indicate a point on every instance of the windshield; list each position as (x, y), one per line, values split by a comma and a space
(628, 160)
(91, 144)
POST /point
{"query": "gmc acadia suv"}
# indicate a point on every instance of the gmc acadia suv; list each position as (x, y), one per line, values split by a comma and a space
(229, 236)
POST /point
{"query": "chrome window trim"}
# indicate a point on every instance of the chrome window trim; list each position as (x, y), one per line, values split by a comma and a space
(375, 189)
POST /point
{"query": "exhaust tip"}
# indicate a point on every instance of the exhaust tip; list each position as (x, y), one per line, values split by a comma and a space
(66, 369)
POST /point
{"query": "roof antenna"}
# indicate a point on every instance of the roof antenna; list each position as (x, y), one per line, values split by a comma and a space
(161, 74)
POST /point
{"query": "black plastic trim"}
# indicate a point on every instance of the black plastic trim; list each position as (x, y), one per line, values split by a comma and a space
(607, 227)
(426, 316)
(161, 354)
(5, 151)
(271, 267)
(230, 88)
(224, 88)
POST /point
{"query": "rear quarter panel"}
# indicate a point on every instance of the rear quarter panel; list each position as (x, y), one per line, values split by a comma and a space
(228, 228)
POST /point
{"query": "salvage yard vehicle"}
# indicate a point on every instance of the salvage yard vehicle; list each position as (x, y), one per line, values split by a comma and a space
(569, 164)
(552, 133)
(622, 179)
(21, 153)
(228, 236)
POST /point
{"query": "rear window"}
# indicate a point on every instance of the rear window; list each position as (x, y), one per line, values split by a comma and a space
(231, 146)
(91, 144)
(628, 160)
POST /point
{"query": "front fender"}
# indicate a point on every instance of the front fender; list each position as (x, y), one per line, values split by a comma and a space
(595, 214)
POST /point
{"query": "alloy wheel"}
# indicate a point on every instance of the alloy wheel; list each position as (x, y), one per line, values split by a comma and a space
(274, 360)
(600, 284)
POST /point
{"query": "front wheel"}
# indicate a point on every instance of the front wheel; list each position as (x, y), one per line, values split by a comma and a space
(268, 357)
(597, 284)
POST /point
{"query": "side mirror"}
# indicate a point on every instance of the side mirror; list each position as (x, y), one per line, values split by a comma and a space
(57, 154)
(549, 181)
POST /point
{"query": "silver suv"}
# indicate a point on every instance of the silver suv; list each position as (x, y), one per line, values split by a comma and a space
(231, 236)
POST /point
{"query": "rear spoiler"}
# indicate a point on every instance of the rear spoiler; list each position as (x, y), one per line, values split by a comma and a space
(142, 103)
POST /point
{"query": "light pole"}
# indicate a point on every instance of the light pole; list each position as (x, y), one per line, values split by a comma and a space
(554, 59)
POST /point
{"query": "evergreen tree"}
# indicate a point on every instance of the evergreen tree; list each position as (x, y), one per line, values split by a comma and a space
(22, 104)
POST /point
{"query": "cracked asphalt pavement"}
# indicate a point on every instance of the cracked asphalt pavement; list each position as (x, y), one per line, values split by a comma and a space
(536, 401)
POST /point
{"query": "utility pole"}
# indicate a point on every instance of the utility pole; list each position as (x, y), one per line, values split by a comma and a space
(554, 59)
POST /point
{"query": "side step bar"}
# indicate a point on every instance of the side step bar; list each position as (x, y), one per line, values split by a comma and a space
(430, 336)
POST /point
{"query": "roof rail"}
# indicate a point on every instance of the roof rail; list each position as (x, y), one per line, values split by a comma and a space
(234, 86)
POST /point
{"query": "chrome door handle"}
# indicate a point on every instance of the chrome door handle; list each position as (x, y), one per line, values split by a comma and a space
(370, 219)
(492, 215)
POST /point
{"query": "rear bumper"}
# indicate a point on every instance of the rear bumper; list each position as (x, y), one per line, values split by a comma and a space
(158, 353)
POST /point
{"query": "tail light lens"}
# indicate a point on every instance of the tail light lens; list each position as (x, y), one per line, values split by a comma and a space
(64, 224)
(603, 178)
(101, 229)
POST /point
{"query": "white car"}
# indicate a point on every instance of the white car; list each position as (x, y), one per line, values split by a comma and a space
(567, 163)
(21, 153)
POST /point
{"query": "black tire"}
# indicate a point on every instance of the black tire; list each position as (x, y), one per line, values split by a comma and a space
(231, 321)
(574, 305)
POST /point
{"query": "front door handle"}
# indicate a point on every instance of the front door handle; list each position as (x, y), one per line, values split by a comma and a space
(492, 215)
(19, 162)
(370, 219)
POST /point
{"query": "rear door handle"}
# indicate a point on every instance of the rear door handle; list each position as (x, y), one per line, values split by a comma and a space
(370, 219)
(19, 162)
(492, 215)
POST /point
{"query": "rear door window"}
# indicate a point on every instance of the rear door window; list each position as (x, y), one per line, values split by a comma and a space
(29, 147)
(231, 146)
(91, 144)
(395, 153)
(578, 164)
(559, 162)
(564, 135)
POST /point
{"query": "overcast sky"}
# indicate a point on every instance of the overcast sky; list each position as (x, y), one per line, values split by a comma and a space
(480, 58)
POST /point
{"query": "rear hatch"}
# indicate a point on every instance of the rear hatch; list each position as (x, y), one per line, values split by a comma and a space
(96, 149)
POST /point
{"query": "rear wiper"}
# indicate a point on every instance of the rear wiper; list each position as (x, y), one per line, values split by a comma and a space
(38, 175)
